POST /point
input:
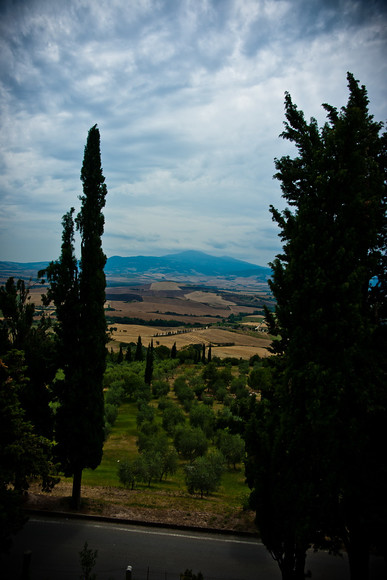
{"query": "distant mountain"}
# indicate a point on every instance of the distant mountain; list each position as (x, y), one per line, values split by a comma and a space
(184, 264)
(181, 266)
(23, 270)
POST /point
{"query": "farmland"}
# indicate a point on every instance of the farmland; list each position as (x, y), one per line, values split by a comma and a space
(198, 316)
(168, 313)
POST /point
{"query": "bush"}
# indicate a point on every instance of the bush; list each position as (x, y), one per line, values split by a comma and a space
(172, 417)
(202, 416)
(231, 446)
(127, 474)
(111, 412)
(145, 413)
(190, 442)
(160, 388)
(204, 475)
(183, 392)
(115, 394)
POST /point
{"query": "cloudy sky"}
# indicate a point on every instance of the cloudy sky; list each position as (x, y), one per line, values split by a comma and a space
(188, 96)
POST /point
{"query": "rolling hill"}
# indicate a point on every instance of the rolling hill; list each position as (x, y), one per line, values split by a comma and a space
(184, 266)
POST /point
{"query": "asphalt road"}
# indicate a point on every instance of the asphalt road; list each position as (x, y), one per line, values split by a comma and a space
(153, 554)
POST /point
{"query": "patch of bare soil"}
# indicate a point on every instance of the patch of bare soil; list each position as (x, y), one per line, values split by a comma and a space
(139, 507)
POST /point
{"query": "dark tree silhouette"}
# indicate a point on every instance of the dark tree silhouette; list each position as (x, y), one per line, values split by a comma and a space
(314, 443)
(79, 298)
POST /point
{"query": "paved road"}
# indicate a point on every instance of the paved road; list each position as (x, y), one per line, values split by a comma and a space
(154, 554)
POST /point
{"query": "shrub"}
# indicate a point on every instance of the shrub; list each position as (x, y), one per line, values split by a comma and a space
(231, 446)
(190, 442)
(202, 416)
(204, 475)
(160, 388)
(127, 474)
(172, 417)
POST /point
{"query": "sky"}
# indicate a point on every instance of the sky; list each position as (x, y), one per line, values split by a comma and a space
(188, 96)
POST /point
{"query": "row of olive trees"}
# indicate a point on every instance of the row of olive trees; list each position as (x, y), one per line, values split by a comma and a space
(191, 441)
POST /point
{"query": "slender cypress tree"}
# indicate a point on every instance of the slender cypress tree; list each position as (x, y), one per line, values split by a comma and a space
(138, 355)
(79, 299)
(120, 356)
(149, 364)
(92, 337)
(128, 354)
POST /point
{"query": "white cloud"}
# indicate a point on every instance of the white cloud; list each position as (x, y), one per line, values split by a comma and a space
(188, 96)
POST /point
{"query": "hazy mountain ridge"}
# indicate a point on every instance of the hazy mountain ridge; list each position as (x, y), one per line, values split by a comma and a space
(185, 264)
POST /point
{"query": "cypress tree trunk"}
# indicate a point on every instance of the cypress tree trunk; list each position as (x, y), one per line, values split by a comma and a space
(76, 493)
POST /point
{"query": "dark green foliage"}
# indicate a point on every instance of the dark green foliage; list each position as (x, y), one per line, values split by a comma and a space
(204, 474)
(254, 359)
(88, 558)
(160, 388)
(120, 356)
(172, 417)
(18, 330)
(217, 381)
(111, 412)
(152, 442)
(156, 460)
(232, 447)
(18, 313)
(314, 444)
(162, 352)
(190, 442)
(127, 474)
(23, 453)
(130, 380)
(183, 392)
(191, 352)
(128, 354)
(115, 394)
(149, 364)
(139, 354)
(204, 417)
(145, 413)
(79, 299)
(260, 378)
(174, 351)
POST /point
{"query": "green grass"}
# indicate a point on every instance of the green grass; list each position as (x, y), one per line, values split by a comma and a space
(121, 444)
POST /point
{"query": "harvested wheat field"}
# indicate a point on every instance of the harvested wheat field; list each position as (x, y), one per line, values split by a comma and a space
(224, 343)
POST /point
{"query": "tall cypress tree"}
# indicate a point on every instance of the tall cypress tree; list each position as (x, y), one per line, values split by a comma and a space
(92, 337)
(79, 299)
(149, 364)
(128, 354)
(318, 431)
(139, 355)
